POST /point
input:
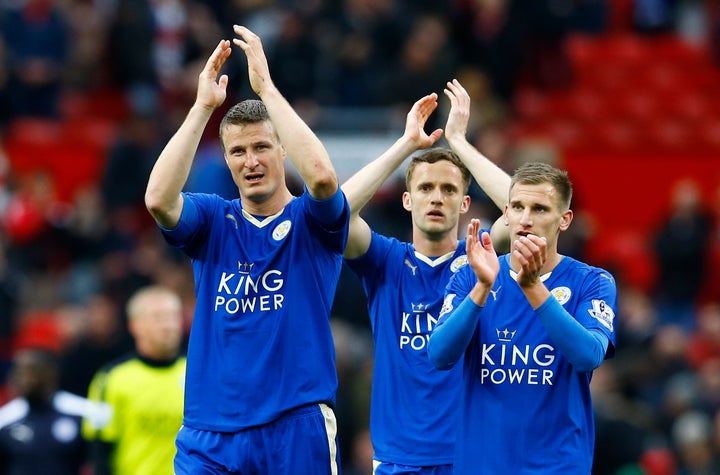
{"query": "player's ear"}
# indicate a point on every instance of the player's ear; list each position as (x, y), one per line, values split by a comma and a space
(406, 201)
(465, 205)
(566, 219)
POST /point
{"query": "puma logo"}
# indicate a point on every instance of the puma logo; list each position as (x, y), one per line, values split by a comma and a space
(412, 267)
(233, 219)
(495, 292)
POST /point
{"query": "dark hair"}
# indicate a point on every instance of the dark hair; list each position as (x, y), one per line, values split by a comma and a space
(537, 173)
(435, 155)
(250, 111)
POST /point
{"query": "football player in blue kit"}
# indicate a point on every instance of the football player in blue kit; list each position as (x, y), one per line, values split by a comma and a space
(413, 415)
(261, 379)
(529, 328)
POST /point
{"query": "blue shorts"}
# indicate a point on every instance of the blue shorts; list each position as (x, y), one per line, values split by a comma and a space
(301, 442)
(385, 468)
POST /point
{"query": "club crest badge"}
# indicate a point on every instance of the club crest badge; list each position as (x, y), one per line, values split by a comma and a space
(561, 294)
(458, 263)
(281, 230)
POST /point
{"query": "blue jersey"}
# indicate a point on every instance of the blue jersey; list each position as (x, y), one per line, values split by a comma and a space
(413, 412)
(525, 409)
(260, 343)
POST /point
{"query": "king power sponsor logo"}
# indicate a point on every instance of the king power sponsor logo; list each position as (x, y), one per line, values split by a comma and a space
(240, 292)
(505, 362)
(415, 327)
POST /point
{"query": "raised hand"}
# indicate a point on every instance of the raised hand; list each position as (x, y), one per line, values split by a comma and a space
(416, 120)
(258, 71)
(530, 252)
(481, 254)
(212, 91)
(459, 115)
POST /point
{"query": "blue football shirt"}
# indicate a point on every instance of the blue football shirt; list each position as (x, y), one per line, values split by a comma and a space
(414, 407)
(525, 410)
(260, 342)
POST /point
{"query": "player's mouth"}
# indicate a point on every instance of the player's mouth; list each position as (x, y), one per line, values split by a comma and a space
(254, 177)
(435, 214)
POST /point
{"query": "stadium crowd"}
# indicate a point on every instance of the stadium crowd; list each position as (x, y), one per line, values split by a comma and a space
(70, 261)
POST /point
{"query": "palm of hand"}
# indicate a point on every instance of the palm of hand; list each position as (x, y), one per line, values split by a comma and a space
(484, 263)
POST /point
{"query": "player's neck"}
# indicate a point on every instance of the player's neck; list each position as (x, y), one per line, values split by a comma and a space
(270, 206)
(434, 247)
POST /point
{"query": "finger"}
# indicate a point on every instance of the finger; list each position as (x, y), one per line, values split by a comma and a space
(435, 135)
(223, 81)
(427, 104)
(531, 255)
(459, 87)
(450, 95)
(218, 56)
(521, 251)
(244, 32)
(471, 231)
(487, 242)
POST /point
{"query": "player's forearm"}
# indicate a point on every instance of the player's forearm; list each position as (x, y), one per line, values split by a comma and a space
(303, 147)
(451, 336)
(585, 349)
(362, 186)
(172, 168)
(491, 178)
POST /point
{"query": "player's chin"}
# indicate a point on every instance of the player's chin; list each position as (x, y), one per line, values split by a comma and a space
(255, 191)
(437, 227)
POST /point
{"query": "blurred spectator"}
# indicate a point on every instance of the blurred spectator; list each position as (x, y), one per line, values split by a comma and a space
(86, 67)
(713, 14)
(36, 35)
(9, 288)
(29, 219)
(708, 381)
(294, 59)
(132, 32)
(5, 99)
(658, 461)
(489, 33)
(130, 159)
(360, 41)
(704, 342)
(40, 430)
(545, 61)
(654, 16)
(623, 426)
(102, 340)
(711, 284)
(655, 367)
(681, 249)
(144, 390)
(487, 109)
(635, 335)
(692, 436)
(425, 63)
(590, 16)
(170, 25)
